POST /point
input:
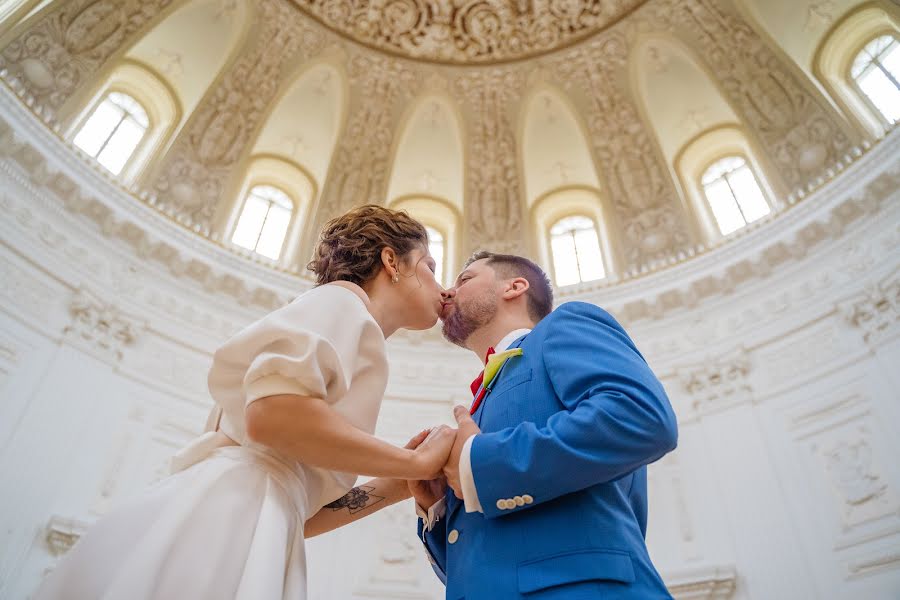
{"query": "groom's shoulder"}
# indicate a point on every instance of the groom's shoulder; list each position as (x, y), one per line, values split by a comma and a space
(567, 310)
(577, 314)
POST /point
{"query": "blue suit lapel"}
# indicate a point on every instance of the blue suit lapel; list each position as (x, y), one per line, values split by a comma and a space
(480, 412)
(453, 503)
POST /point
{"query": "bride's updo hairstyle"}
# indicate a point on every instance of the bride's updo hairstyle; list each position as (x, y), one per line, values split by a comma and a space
(349, 247)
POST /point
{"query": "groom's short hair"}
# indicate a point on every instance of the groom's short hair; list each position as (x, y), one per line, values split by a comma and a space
(540, 292)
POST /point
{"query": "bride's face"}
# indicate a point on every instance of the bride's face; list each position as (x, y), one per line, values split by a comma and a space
(419, 291)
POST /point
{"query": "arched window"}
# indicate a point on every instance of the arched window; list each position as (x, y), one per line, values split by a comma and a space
(575, 247)
(876, 70)
(733, 194)
(113, 131)
(264, 221)
(436, 248)
(442, 222)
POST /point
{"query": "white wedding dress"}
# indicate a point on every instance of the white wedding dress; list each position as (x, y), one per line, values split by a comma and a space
(228, 523)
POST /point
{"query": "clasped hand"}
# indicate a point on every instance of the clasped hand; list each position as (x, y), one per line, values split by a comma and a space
(440, 449)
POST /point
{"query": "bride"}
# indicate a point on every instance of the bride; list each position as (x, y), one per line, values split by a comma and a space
(297, 394)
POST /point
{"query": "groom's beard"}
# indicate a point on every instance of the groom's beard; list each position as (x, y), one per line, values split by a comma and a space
(469, 317)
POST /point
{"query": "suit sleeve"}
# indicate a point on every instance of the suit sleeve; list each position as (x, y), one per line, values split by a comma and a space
(435, 547)
(617, 417)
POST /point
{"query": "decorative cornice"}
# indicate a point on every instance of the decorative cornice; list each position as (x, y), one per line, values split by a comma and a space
(718, 383)
(703, 583)
(55, 170)
(62, 533)
(99, 325)
(50, 164)
(876, 311)
(869, 180)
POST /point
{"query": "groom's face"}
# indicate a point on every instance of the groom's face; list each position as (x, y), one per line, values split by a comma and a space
(470, 304)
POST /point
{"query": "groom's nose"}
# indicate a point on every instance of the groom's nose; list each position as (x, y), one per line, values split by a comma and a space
(449, 293)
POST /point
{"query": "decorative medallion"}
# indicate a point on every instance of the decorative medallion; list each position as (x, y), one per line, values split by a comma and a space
(467, 31)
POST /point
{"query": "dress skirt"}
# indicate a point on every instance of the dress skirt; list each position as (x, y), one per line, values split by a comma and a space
(228, 526)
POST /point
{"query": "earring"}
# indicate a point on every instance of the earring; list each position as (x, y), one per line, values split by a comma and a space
(395, 278)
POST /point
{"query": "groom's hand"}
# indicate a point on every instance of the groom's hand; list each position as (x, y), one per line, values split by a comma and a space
(467, 428)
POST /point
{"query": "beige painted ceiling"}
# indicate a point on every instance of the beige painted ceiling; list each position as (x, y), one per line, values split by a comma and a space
(555, 152)
(429, 156)
(797, 26)
(190, 47)
(305, 123)
(679, 98)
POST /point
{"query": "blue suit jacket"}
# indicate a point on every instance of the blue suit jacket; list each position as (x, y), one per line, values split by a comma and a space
(569, 426)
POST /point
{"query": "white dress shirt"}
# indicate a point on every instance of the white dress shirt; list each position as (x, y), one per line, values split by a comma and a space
(466, 478)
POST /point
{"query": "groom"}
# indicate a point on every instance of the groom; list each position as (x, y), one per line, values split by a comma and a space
(548, 475)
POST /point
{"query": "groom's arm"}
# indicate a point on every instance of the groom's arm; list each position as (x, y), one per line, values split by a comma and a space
(617, 418)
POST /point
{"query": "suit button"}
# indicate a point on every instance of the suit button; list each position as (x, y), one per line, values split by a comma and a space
(501, 504)
(510, 503)
(453, 536)
(519, 500)
(527, 499)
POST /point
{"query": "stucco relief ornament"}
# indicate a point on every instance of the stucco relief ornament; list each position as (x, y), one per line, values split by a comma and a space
(68, 42)
(479, 31)
(850, 465)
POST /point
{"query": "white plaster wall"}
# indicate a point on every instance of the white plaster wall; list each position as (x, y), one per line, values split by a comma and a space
(779, 351)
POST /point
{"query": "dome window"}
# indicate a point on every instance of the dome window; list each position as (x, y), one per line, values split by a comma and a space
(264, 221)
(113, 131)
(575, 247)
(733, 194)
(876, 70)
(436, 249)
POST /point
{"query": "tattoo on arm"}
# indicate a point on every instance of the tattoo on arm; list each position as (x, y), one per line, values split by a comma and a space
(356, 499)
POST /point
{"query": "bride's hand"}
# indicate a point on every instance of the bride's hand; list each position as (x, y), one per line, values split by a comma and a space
(431, 454)
(425, 491)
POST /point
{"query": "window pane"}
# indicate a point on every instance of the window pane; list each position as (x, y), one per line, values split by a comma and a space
(98, 128)
(437, 253)
(436, 249)
(121, 146)
(570, 223)
(250, 224)
(891, 60)
(564, 262)
(753, 203)
(113, 131)
(724, 207)
(882, 92)
(274, 195)
(131, 106)
(877, 46)
(434, 236)
(721, 167)
(590, 260)
(274, 230)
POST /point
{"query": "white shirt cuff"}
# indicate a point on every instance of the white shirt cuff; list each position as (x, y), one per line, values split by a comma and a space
(467, 479)
(435, 513)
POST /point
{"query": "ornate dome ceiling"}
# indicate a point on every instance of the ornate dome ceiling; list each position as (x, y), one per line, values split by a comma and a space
(489, 120)
(467, 32)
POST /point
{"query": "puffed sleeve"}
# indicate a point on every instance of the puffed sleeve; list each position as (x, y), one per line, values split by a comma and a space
(308, 347)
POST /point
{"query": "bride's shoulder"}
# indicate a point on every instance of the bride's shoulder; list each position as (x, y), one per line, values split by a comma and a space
(352, 287)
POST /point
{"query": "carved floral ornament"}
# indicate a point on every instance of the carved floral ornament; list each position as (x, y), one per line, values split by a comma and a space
(467, 31)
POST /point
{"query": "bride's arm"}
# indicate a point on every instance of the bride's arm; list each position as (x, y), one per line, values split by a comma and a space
(309, 431)
(361, 501)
